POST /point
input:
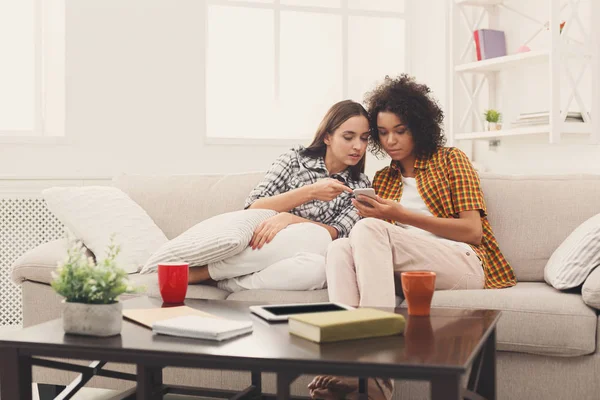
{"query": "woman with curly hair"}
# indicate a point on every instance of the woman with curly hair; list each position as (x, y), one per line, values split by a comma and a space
(429, 215)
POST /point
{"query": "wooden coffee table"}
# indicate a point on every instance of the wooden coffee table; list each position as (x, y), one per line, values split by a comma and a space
(440, 349)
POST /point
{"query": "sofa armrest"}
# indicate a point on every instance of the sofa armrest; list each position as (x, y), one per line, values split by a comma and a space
(591, 289)
(38, 263)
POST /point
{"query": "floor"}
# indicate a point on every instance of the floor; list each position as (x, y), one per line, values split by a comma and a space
(105, 394)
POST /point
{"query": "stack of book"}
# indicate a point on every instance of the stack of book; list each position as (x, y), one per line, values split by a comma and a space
(542, 118)
(489, 43)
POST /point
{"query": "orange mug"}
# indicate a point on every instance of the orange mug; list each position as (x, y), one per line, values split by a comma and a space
(418, 288)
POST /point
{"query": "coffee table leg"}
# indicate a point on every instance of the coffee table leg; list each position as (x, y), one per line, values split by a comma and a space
(487, 380)
(257, 381)
(284, 380)
(149, 383)
(15, 375)
(445, 387)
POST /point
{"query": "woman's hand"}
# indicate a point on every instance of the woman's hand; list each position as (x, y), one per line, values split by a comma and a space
(379, 208)
(266, 231)
(327, 189)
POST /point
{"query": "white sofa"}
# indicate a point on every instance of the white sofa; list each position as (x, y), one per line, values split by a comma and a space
(547, 339)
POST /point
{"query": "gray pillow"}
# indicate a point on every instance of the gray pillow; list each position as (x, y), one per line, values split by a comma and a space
(211, 240)
(576, 257)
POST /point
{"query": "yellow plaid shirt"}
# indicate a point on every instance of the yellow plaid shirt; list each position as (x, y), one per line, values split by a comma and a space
(448, 184)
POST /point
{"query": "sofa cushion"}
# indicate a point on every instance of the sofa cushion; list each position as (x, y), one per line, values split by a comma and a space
(281, 296)
(576, 257)
(529, 230)
(37, 264)
(536, 318)
(178, 202)
(150, 284)
(590, 292)
(95, 213)
(211, 240)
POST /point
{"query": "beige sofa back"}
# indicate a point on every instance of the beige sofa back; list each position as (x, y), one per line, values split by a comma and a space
(530, 215)
(178, 202)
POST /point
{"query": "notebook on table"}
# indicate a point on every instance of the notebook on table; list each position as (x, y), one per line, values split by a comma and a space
(197, 327)
(148, 316)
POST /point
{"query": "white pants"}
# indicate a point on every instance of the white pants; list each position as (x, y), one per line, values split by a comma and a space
(294, 260)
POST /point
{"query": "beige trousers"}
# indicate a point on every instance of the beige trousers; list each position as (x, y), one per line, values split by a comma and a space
(361, 270)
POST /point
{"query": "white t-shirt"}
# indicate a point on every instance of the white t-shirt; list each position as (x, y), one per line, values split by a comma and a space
(411, 199)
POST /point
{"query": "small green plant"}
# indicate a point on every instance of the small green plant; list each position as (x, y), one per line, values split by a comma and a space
(492, 115)
(80, 280)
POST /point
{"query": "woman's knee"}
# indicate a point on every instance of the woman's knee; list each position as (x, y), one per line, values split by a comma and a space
(303, 237)
(339, 256)
(367, 228)
(339, 249)
(313, 271)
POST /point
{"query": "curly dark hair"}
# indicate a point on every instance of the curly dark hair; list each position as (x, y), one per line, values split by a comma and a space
(413, 104)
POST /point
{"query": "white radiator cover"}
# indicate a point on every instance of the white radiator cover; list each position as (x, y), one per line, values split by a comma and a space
(25, 223)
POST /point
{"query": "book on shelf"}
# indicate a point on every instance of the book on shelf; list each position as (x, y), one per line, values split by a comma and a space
(489, 43)
(197, 327)
(346, 325)
(543, 118)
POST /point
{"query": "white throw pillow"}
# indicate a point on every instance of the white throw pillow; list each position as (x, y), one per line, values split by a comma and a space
(590, 292)
(211, 240)
(576, 257)
(94, 213)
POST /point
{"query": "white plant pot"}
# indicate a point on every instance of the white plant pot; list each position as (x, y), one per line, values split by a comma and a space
(494, 126)
(92, 319)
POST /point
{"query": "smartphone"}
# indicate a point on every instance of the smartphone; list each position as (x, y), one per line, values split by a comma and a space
(369, 192)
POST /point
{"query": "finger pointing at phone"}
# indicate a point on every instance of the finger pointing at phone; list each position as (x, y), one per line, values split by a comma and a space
(328, 189)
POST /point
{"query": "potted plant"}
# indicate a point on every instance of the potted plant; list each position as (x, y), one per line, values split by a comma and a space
(90, 291)
(493, 117)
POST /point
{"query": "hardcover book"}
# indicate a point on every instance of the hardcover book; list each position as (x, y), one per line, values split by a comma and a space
(489, 43)
(346, 325)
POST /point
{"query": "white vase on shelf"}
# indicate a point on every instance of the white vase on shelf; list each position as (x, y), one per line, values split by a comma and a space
(494, 126)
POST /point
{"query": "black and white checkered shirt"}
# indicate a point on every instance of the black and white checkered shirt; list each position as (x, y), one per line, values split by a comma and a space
(293, 170)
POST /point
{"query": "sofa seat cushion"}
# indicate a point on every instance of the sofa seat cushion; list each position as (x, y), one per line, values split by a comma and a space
(150, 284)
(536, 318)
(281, 296)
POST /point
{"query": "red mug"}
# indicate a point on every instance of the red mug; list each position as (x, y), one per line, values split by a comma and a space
(173, 281)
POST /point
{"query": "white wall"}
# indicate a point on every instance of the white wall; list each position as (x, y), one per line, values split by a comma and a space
(123, 115)
(427, 61)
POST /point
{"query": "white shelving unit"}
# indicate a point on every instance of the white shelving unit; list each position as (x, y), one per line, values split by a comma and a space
(469, 77)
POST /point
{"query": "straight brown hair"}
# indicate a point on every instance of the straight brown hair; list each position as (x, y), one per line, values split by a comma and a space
(338, 114)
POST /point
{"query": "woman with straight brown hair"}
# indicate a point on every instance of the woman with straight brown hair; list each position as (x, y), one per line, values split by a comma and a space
(311, 189)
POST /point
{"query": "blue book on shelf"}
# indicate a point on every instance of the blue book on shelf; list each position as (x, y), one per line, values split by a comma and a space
(492, 43)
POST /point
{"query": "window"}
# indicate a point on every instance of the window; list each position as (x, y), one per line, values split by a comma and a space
(274, 67)
(32, 37)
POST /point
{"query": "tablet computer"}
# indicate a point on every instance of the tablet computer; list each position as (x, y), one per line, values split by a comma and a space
(281, 312)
